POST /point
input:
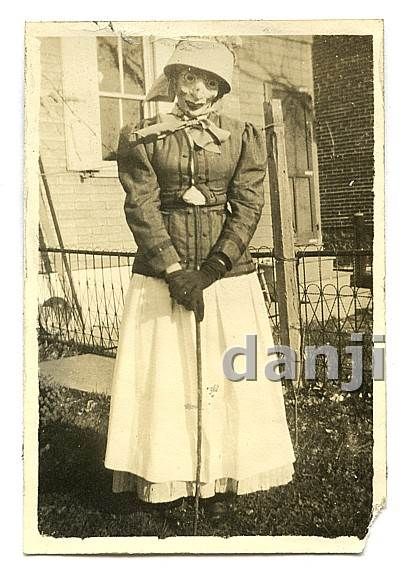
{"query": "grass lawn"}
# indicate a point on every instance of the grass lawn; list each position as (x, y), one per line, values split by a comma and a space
(331, 494)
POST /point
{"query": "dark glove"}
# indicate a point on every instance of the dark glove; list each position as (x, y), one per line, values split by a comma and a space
(186, 286)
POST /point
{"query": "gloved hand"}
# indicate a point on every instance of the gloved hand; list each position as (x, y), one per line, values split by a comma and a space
(186, 286)
(185, 289)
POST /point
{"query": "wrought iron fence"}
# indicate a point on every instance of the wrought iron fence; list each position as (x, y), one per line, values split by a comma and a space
(81, 295)
(336, 301)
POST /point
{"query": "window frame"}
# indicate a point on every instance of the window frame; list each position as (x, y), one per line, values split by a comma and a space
(109, 168)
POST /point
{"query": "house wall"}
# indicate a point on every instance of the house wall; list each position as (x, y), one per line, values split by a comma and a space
(89, 210)
(271, 62)
(343, 82)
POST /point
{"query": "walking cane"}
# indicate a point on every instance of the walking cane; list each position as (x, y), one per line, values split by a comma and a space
(199, 424)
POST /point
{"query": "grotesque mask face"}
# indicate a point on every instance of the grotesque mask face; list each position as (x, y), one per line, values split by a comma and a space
(196, 91)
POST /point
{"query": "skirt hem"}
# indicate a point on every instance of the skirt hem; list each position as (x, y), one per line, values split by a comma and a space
(149, 492)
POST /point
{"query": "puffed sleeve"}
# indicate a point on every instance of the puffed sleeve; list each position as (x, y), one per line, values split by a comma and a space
(245, 196)
(142, 202)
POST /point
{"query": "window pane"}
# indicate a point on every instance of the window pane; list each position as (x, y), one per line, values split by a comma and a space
(108, 64)
(131, 111)
(110, 125)
(132, 54)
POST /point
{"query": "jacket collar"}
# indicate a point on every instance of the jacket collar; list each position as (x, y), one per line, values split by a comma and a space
(203, 130)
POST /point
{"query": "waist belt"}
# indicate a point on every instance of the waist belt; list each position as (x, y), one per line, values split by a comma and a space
(183, 207)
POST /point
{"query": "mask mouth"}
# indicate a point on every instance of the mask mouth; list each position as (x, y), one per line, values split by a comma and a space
(194, 106)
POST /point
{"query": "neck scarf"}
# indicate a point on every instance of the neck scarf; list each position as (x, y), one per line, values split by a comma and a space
(203, 132)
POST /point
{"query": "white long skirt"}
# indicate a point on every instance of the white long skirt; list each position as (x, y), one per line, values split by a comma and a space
(152, 434)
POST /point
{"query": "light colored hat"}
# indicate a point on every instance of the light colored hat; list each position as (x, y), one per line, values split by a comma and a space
(206, 55)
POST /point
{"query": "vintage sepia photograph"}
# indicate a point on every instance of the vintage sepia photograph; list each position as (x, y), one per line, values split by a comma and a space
(204, 301)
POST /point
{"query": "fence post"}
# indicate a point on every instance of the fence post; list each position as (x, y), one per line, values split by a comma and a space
(360, 261)
(360, 277)
(282, 226)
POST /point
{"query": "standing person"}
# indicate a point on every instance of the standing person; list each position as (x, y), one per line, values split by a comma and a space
(194, 195)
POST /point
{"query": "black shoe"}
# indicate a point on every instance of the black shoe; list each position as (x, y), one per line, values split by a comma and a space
(161, 508)
(217, 507)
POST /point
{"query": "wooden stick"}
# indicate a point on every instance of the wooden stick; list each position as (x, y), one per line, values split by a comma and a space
(199, 425)
(76, 304)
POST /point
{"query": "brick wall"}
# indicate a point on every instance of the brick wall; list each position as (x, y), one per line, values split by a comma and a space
(90, 211)
(343, 83)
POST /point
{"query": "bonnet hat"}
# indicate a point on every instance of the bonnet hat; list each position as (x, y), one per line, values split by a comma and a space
(207, 55)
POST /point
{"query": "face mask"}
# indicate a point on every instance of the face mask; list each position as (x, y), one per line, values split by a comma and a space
(196, 91)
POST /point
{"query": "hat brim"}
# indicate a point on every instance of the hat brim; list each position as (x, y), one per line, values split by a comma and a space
(161, 90)
(172, 69)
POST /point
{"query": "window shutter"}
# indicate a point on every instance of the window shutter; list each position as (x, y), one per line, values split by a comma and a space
(298, 120)
(81, 103)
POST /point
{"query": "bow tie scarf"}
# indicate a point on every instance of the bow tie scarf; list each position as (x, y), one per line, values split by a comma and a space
(206, 134)
(202, 131)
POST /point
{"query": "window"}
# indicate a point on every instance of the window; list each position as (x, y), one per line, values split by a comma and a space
(105, 80)
(121, 82)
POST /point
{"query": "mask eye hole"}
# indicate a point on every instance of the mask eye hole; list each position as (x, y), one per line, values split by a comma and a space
(212, 83)
(189, 77)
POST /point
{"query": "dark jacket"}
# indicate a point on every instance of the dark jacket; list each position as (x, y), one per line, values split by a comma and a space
(156, 172)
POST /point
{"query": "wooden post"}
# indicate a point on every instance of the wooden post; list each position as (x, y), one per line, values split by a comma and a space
(283, 234)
